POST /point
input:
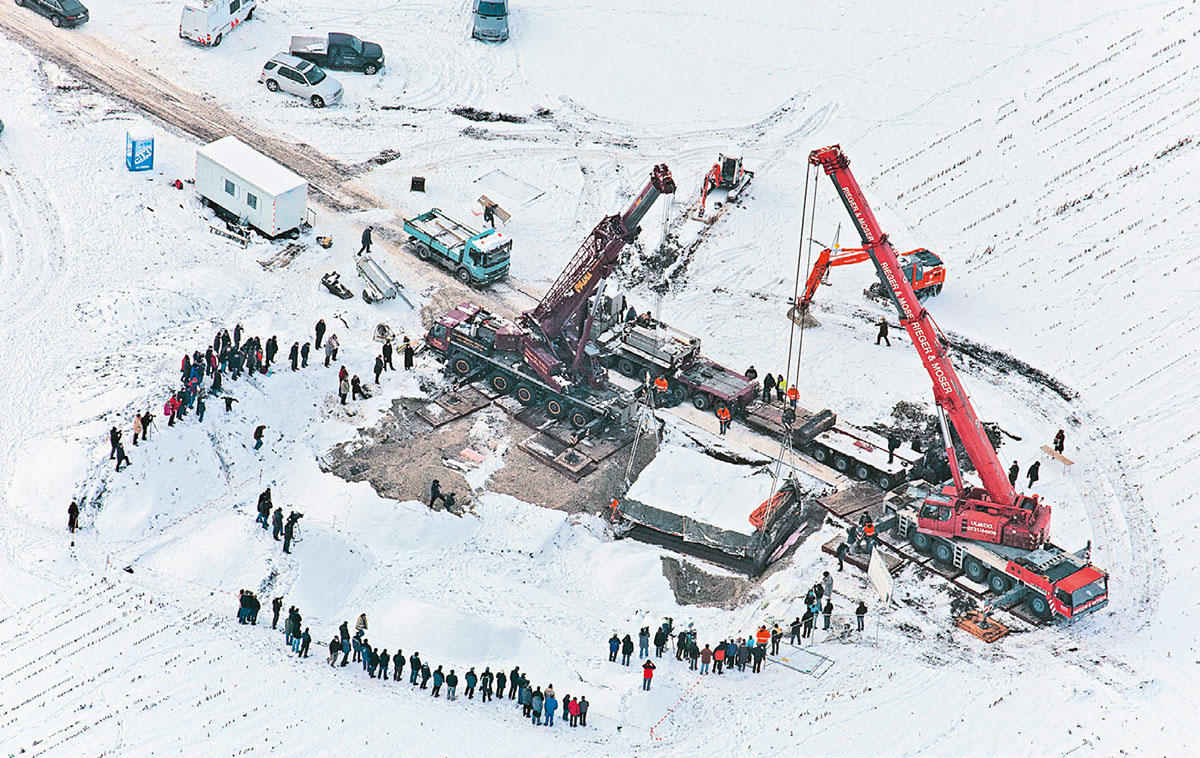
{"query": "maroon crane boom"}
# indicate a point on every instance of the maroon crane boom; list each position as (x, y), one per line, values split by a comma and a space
(558, 318)
(996, 512)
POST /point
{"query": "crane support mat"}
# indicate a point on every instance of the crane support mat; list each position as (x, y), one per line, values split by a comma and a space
(449, 407)
(976, 623)
(852, 501)
(860, 560)
(562, 458)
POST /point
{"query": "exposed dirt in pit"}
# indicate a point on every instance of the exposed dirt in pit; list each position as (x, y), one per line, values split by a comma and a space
(694, 586)
(402, 455)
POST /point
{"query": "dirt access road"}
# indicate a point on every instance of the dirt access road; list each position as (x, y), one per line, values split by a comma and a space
(111, 72)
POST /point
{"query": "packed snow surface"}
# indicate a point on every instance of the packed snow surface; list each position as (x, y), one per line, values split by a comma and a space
(1047, 153)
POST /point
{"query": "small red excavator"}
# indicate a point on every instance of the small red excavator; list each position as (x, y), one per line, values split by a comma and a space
(923, 270)
(727, 175)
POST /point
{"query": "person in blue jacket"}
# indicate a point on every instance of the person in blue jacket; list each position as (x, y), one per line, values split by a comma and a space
(614, 645)
(438, 678)
(551, 707)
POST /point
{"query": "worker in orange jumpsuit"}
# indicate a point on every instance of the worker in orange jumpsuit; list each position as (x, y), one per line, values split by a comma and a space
(869, 536)
(723, 416)
(660, 388)
(762, 637)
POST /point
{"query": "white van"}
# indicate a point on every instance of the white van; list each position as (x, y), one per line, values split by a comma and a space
(208, 21)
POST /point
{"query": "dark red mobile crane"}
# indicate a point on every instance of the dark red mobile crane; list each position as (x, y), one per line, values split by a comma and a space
(995, 513)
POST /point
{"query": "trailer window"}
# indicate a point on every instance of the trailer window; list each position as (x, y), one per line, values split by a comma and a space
(251, 201)
(230, 188)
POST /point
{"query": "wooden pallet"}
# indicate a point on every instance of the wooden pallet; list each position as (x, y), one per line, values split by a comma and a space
(978, 624)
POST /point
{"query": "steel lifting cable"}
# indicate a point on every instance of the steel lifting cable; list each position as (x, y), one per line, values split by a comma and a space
(786, 443)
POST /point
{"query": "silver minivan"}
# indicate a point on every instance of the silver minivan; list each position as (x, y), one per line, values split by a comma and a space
(491, 20)
(303, 78)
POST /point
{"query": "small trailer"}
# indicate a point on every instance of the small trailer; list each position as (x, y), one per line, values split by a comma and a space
(248, 188)
(379, 281)
(476, 258)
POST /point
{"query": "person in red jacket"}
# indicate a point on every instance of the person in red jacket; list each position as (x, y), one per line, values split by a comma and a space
(647, 673)
(719, 657)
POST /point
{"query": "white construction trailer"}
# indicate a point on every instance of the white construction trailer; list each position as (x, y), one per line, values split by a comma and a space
(246, 186)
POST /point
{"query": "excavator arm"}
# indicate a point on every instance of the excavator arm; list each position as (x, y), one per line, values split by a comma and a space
(949, 393)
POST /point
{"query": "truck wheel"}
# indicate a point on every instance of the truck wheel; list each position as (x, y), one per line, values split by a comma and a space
(500, 383)
(463, 275)
(272, 85)
(920, 542)
(701, 401)
(884, 481)
(462, 366)
(318, 101)
(862, 473)
(975, 569)
(943, 552)
(423, 251)
(370, 69)
(999, 583)
(626, 367)
(840, 463)
(820, 454)
(525, 395)
(679, 393)
(1039, 606)
(216, 40)
(579, 419)
(554, 408)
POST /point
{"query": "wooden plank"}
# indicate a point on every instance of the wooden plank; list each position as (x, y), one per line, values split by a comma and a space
(501, 214)
(849, 502)
(1064, 460)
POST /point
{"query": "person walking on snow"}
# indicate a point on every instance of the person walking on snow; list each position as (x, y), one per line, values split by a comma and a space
(305, 639)
(331, 349)
(121, 456)
(626, 650)
(660, 642)
(200, 407)
(827, 612)
(537, 701)
(335, 647)
(883, 333)
(114, 439)
(277, 522)
(1060, 441)
(647, 673)
(1013, 472)
(264, 508)
(614, 647)
(861, 613)
(72, 517)
(409, 353)
(723, 418)
(384, 661)
(794, 628)
(289, 532)
(1033, 472)
(435, 493)
(356, 389)
(294, 356)
(137, 428)
(366, 242)
(485, 684)
(776, 638)
(414, 667)
(304, 355)
(551, 707)
(705, 660)
(258, 436)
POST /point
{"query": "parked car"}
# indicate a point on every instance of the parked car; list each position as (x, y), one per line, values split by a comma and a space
(60, 12)
(300, 77)
(491, 20)
(208, 21)
(339, 51)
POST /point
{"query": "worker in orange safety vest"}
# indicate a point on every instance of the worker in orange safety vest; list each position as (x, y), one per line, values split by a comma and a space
(762, 636)
(723, 416)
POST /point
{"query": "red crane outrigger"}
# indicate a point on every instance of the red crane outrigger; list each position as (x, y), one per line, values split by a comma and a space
(995, 513)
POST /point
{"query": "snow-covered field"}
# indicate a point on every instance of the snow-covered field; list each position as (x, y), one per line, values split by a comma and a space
(1048, 154)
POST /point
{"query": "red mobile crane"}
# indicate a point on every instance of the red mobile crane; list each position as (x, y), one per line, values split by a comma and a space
(997, 536)
(996, 512)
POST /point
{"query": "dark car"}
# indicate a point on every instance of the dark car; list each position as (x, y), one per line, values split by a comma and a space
(339, 51)
(60, 12)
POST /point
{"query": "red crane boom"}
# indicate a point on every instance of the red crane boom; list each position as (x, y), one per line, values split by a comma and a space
(996, 513)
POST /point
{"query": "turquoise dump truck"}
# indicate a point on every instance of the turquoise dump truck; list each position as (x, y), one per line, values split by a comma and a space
(476, 258)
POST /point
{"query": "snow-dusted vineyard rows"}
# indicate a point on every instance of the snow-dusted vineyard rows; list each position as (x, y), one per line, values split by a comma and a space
(1049, 155)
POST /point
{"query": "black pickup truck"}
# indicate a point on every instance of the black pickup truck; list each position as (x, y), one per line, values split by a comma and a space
(339, 51)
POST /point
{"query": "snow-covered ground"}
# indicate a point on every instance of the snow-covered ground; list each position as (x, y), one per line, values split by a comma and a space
(1048, 154)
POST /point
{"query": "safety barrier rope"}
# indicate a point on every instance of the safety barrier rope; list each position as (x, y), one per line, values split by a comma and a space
(672, 708)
